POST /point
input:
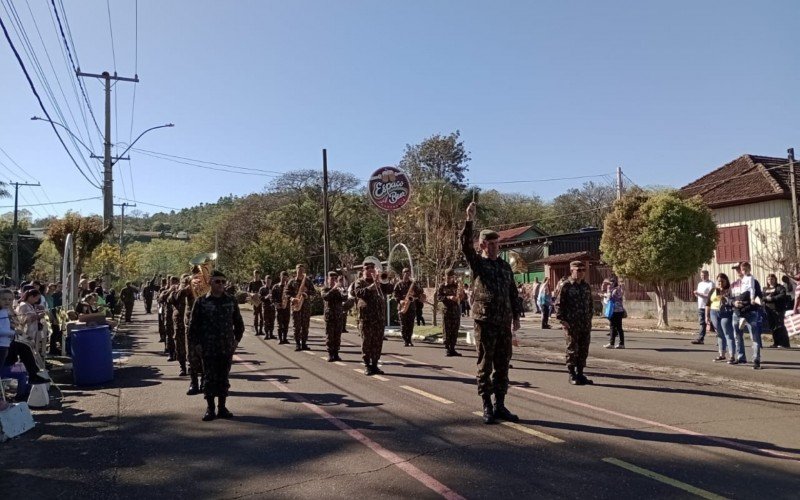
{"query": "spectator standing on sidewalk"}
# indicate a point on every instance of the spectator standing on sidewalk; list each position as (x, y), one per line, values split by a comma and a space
(702, 293)
(544, 301)
(537, 286)
(776, 302)
(719, 312)
(614, 293)
(746, 312)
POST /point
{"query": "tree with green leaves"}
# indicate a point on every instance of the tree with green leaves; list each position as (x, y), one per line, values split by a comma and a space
(582, 207)
(87, 234)
(658, 239)
(437, 158)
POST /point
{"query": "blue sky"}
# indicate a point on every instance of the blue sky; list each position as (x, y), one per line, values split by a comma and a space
(667, 90)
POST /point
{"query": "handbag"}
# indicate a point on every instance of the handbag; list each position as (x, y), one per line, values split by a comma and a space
(608, 309)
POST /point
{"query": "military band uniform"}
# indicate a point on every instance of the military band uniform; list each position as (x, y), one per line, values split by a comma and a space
(267, 312)
(194, 351)
(451, 316)
(217, 327)
(179, 303)
(494, 308)
(281, 313)
(258, 322)
(127, 296)
(334, 300)
(162, 313)
(401, 291)
(147, 294)
(301, 319)
(169, 323)
(371, 318)
(575, 308)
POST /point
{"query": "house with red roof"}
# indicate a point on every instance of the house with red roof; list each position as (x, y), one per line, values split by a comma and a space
(751, 200)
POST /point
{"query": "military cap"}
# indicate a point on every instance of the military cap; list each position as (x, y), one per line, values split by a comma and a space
(449, 272)
(488, 234)
(368, 262)
(216, 273)
(333, 274)
(406, 270)
(577, 264)
(284, 273)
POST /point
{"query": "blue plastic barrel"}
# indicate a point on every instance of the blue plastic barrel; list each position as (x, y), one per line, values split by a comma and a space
(92, 363)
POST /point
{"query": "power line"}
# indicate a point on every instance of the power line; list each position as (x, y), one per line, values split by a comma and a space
(538, 180)
(552, 217)
(197, 165)
(208, 162)
(148, 204)
(56, 202)
(133, 101)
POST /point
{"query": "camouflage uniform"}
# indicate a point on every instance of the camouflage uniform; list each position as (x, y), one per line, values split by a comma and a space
(302, 318)
(267, 312)
(217, 327)
(179, 302)
(575, 307)
(371, 317)
(127, 296)
(401, 290)
(281, 313)
(494, 307)
(147, 295)
(333, 318)
(452, 314)
(194, 350)
(258, 322)
(162, 311)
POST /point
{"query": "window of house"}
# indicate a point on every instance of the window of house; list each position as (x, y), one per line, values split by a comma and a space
(733, 245)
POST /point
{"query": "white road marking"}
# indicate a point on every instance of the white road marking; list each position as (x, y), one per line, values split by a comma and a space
(526, 430)
(664, 479)
(426, 394)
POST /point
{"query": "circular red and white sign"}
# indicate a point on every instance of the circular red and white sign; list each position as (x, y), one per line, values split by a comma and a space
(389, 188)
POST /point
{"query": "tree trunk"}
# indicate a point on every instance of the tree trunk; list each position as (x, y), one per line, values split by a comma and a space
(661, 305)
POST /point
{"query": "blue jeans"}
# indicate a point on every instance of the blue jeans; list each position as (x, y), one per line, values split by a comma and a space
(701, 315)
(723, 323)
(753, 323)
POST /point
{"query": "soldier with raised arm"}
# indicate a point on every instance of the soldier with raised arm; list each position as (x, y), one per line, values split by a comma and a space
(495, 309)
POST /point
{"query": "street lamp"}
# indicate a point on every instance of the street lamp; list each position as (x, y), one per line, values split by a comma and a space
(167, 125)
(34, 118)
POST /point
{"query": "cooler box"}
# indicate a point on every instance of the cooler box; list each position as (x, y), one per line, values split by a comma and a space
(92, 363)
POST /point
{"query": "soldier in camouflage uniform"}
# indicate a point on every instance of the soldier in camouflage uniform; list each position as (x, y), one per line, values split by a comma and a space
(162, 328)
(194, 350)
(169, 323)
(496, 311)
(299, 287)
(409, 290)
(575, 311)
(334, 299)
(281, 312)
(267, 308)
(252, 288)
(348, 304)
(179, 298)
(447, 294)
(371, 296)
(217, 327)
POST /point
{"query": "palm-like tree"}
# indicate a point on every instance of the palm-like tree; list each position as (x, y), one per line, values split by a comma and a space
(4, 191)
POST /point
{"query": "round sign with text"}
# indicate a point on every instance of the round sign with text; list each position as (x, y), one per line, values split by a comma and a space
(389, 188)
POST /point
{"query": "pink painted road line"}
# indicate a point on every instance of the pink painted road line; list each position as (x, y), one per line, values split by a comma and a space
(722, 441)
(396, 460)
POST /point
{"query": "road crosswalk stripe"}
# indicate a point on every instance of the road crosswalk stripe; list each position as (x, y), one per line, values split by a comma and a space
(426, 394)
(526, 430)
(664, 479)
(377, 377)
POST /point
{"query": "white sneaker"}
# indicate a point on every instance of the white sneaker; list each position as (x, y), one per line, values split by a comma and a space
(609, 346)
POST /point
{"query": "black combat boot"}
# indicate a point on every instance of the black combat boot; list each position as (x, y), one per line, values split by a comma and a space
(455, 353)
(305, 347)
(211, 414)
(488, 409)
(331, 357)
(500, 410)
(222, 411)
(182, 373)
(368, 369)
(449, 352)
(172, 354)
(376, 370)
(580, 376)
(298, 348)
(573, 378)
(194, 388)
(336, 357)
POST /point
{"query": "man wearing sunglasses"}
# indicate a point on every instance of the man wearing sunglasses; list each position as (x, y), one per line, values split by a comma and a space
(575, 311)
(217, 327)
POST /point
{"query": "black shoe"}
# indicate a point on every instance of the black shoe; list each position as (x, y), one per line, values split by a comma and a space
(210, 415)
(488, 410)
(368, 371)
(455, 353)
(410, 344)
(376, 370)
(697, 341)
(336, 357)
(331, 358)
(305, 347)
(182, 373)
(583, 380)
(574, 380)
(298, 348)
(193, 390)
(546, 327)
(448, 353)
(258, 334)
(756, 365)
(224, 413)
(500, 410)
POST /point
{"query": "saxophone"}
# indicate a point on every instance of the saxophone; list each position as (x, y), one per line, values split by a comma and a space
(297, 302)
(406, 302)
(460, 295)
(202, 265)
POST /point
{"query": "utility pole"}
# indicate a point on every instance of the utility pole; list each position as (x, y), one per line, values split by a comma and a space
(108, 178)
(326, 221)
(619, 183)
(15, 233)
(793, 187)
(122, 221)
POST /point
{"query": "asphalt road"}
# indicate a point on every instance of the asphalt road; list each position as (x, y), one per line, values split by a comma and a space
(306, 428)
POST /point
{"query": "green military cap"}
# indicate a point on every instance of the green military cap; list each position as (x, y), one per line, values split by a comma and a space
(488, 234)
(577, 264)
(333, 274)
